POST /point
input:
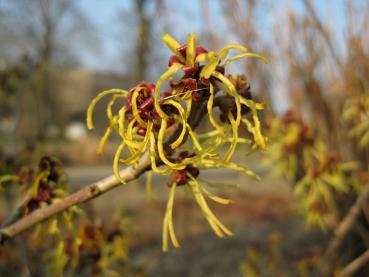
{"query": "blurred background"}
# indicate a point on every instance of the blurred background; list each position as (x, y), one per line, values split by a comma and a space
(56, 55)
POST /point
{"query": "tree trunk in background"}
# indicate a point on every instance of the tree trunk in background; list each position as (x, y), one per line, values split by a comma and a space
(143, 46)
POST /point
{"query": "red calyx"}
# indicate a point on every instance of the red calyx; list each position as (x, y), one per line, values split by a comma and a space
(200, 50)
(194, 171)
(191, 84)
(139, 85)
(128, 101)
(170, 122)
(147, 105)
(183, 50)
(181, 177)
(145, 114)
(166, 94)
(44, 195)
(204, 81)
(196, 96)
(172, 60)
(150, 89)
(141, 132)
(189, 69)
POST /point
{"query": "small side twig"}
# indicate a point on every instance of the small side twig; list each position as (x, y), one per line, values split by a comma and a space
(347, 223)
(355, 265)
(340, 233)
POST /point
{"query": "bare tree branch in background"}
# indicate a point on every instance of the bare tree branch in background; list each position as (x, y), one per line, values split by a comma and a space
(328, 40)
(143, 46)
(241, 18)
(43, 31)
(205, 9)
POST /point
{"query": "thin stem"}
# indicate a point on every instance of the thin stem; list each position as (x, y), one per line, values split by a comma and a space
(355, 265)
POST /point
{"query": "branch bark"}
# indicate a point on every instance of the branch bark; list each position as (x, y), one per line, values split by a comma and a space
(85, 194)
(347, 223)
(355, 265)
(309, 6)
(100, 187)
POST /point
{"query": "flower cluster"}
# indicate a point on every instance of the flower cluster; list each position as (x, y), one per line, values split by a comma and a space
(94, 249)
(49, 184)
(356, 112)
(319, 175)
(163, 122)
(45, 185)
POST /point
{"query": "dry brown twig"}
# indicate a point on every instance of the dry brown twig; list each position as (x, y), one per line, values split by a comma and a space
(347, 223)
(340, 233)
(355, 265)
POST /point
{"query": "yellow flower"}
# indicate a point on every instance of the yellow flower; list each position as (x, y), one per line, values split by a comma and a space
(163, 123)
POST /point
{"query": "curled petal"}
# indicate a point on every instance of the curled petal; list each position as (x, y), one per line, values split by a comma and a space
(171, 71)
(181, 111)
(210, 110)
(40, 177)
(246, 55)
(209, 68)
(109, 112)
(153, 158)
(135, 109)
(105, 137)
(162, 156)
(219, 229)
(233, 145)
(205, 57)
(141, 146)
(122, 115)
(116, 163)
(255, 129)
(223, 53)
(97, 98)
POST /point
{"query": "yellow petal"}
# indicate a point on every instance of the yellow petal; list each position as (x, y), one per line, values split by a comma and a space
(135, 111)
(246, 55)
(121, 119)
(215, 197)
(190, 51)
(141, 146)
(153, 158)
(170, 72)
(183, 116)
(116, 163)
(149, 185)
(209, 68)
(173, 45)
(210, 111)
(233, 145)
(205, 57)
(161, 152)
(97, 98)
(223, 53)
(104, 139)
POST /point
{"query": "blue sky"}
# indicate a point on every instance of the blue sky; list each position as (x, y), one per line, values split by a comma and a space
(185, 17)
